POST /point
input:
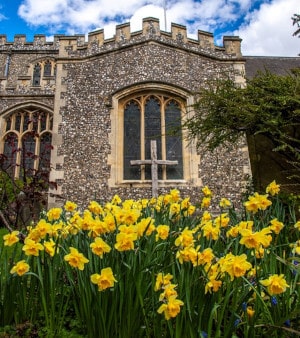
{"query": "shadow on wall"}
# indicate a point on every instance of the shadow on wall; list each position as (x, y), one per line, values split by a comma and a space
(268, 165)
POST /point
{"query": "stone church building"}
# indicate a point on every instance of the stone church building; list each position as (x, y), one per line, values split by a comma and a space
(91, 107)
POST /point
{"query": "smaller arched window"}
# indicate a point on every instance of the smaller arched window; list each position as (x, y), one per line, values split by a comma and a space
(36, 81)
(26, 144)
(43, 70)
(47, 68)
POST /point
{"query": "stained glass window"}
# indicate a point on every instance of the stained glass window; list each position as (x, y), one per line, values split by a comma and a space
(132, 139)
(10, 152)
(44, 68)
(47, 68)
(152, 117)
(36, 75)
(26, 144)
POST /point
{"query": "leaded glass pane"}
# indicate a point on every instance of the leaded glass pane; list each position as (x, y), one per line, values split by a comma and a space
(10, 152)
(28, 153)
(174, 140)
(26, 122)
(8, 123)
(152, 132)
(132, 140)
(18, 122)
(43, 121)
(47, 68)
(45, 152)
(36, 75)
(35, 121)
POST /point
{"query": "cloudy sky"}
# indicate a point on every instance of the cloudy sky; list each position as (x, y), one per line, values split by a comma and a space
(264, 25)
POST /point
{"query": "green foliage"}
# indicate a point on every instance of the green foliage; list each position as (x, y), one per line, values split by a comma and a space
(22, 199)
(269, 105)
(296, 21)
(54, 297)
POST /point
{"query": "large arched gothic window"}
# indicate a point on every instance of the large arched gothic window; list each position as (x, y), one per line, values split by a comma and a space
(26, 141)
(152, 117)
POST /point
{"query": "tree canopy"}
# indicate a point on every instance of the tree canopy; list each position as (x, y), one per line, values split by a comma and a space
(269, 104)
(296, 21)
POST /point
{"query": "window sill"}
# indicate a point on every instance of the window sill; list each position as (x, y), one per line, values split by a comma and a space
(148, 183)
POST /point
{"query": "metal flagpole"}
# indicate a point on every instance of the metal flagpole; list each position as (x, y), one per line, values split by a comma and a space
(165, 14)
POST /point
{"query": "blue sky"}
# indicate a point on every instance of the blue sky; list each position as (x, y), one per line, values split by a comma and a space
(265, 26)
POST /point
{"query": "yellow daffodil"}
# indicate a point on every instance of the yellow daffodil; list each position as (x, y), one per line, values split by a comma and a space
(125, 241)
(110, 222)
(257, 202)
(206, 256)
(175, 209)
(145, 226)
(213, 285)
(211, 231)
(297, 225)
(250, 312)
(95, 208)
(50, 247)
(162, 280)
(185, 203)
(97, 227)
(205, 203)
(256, 239)
(224, 203)
(175, 194)
(245, 225)
(222, 220)
(273, 188)
(275, 284)
(259, 252)
(116, 200)
(162, 232)
(76, 259)
(43, 228)
(32, 248)
(70, 206)
(130, 216)
(11, 238)
(296, 247)
(104, 280)
(206, 216)
(171, 308)
(54, 214)
(233, 231)
(235, 266)
(186, 238)
(20, 268)
(206, 191)
(168, 291)
(99, 247)
(188, 254)
(276, 226)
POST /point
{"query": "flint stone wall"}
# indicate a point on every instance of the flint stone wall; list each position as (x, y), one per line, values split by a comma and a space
(89, 74)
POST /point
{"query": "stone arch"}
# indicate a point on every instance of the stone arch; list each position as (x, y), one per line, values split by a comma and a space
(26, 121)
(116, 161)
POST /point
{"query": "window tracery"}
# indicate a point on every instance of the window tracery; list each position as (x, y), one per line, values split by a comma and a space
(26, 141)
(43, 69)
(152, 117)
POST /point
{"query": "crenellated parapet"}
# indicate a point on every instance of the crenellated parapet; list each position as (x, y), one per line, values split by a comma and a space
(77, 46)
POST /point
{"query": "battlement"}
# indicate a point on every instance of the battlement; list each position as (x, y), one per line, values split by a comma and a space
(77, 45)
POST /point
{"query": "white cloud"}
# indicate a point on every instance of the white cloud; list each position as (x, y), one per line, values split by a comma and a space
(270, 30)
(266, 31)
